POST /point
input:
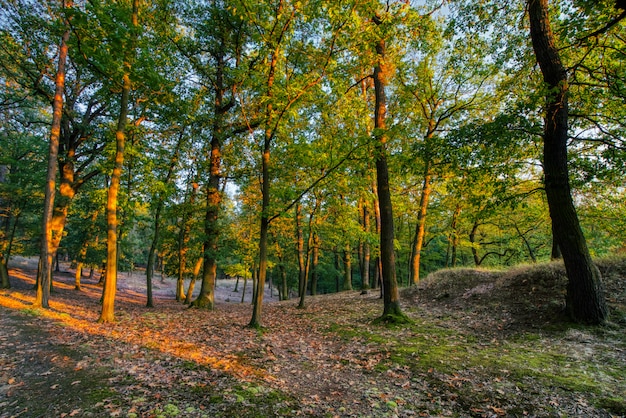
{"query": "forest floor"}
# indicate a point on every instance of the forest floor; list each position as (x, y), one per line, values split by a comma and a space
(481, 343)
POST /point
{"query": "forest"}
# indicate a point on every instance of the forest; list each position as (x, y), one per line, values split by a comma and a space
(359, 148)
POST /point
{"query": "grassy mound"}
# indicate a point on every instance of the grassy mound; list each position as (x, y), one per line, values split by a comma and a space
(528, 295)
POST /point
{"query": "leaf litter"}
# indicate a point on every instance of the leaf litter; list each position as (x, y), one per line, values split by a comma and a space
(475, 349)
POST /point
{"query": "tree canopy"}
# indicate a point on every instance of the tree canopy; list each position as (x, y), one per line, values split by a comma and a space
(249, 139)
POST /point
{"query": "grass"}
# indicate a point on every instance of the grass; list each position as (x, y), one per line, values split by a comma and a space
(482, 362)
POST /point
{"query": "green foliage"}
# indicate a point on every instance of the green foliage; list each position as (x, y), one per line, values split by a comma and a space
(464, 105)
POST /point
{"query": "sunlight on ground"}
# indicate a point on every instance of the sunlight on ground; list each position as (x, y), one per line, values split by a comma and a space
(82, 320)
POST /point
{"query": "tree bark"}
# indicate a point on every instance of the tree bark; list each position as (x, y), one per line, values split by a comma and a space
(110, 282)
(365, 252)
(206, 298)
(347, 268)
(300, 254)
(585, 300)
(454, 236)
(192, 282)
(315, 257)
(391, 299)
(107, 314)
(255, 321)
(157, 223)
(43, 282)
(4, 274)
(420, 228)
(474, 245)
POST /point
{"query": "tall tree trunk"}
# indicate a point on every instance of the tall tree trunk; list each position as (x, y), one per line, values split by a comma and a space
(255, 321)
(300, 255)
(315, 257)
(364, 259)
(183, 243)
(420, 229)
(157, 222)
(376, 283)
(308, 261)
(192, 282)
(46, 254)
(110, 282)
(206, 298)
(337, 269)
(391, 297)
(585, 301)
(347, 268)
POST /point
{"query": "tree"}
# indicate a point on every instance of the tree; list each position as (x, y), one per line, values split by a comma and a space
(110, 285)
(47, 252)
(585, 297)
(281, 99)
(382, 72)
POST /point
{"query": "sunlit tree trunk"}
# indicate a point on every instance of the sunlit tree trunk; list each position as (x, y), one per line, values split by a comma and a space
(420, 229)
(46, 254)
(391, 297)
(110, 283)
(585, 300)
(192, 282)
(4, 274)
(347, 268)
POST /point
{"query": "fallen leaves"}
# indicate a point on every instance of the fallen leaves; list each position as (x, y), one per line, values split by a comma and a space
(195, 362)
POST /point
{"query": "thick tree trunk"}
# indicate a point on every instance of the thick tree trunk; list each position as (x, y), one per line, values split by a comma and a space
(391, 310)
(46, 254)
(585, 300)
(206, 298)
